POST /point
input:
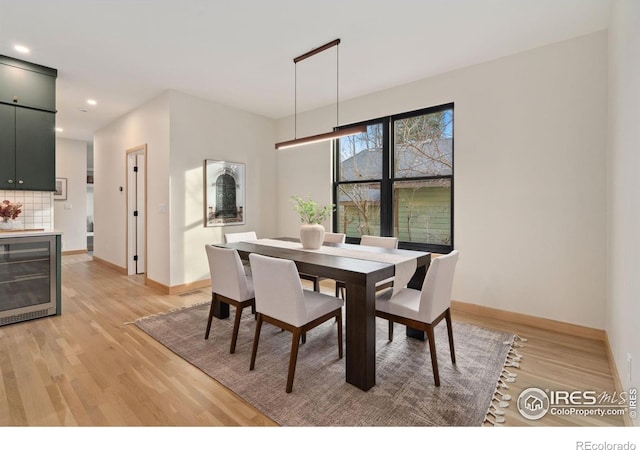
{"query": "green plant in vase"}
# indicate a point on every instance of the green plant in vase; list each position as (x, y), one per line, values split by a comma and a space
(311, 215)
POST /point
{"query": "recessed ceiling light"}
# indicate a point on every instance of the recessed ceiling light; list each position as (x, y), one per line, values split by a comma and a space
(92, 102)
(21, 49)
(59, 130)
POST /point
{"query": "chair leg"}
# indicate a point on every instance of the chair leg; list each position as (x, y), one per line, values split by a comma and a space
(293, 358)
(340, 294)
(450, 330)
(316, 284)
(303, 338)
(434, 357)
(339, 321)
(256, 338)
(236, 326)
(390, 330)
(213, 305)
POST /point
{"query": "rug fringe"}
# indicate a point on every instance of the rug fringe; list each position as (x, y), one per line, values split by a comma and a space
(495, 413)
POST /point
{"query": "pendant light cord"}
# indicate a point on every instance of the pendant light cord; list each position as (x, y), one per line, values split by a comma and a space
(325, 136)
(295, 101)
(295, 92)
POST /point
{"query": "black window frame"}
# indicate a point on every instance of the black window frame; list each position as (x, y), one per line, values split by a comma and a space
(388, 178)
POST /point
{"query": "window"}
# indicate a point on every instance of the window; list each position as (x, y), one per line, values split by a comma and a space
(396, 179)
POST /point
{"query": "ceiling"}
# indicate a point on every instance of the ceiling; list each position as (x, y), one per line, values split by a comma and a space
(123, 53)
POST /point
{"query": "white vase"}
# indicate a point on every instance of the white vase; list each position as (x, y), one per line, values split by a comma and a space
(311, 236)
(6, 224)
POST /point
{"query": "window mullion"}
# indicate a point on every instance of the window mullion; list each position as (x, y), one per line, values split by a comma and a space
(386, 188)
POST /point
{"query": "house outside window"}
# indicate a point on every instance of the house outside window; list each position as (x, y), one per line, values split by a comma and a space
(396, 179)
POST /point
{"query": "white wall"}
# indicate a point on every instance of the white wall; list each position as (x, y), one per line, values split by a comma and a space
(530, 140)
(180, 131)
(70, 215)
(314, 162)
(623, 306)
(148, 124)
(202, 130)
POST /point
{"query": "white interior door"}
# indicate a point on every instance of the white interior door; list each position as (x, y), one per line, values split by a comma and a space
(136, 220)
(141, 217)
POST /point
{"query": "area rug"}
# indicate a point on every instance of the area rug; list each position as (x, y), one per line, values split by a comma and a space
(404, 394)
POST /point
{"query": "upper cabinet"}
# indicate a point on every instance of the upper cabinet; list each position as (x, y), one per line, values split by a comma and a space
(26, 84)
(27, 126)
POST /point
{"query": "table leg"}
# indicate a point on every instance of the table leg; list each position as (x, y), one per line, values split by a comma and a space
(416, 334)
(221, 310)
(361, 335)
(416, 283)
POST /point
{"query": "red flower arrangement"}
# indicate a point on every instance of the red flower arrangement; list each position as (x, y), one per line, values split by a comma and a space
(9, 210)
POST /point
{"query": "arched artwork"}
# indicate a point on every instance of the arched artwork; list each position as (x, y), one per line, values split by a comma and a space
(224, 193)
(226, 196)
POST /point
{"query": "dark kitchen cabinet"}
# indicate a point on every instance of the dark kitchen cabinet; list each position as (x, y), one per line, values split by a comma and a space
(27, 149)
(27, 126)
(26, 84)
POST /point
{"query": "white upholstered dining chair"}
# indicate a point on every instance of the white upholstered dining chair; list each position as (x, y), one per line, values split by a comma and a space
(239, 237)
(379, 241)
(424, 309)
(373, 241)
(229, 284)
(335, 238)
(281, 301)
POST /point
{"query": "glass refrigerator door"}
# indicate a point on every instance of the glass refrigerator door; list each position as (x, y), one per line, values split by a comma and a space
(25, 273)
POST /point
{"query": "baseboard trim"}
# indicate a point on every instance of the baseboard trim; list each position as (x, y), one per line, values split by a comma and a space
(616, 375)
(551, 325)
(178, 289)
(74, 252)
(534, 321)
(189, 286)
(119, 269)
(156, 285)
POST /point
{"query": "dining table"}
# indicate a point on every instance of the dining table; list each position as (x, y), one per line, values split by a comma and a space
(359, 268)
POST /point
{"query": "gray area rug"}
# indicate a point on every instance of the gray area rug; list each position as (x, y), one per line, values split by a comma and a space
(404, 394)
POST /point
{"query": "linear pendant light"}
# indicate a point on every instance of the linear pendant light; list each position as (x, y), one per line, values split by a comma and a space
(323, 136)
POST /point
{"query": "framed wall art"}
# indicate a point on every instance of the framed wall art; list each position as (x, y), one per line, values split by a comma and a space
(61, 189)
(224, 193)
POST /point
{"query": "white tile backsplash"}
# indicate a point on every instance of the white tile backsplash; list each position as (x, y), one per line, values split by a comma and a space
(37, 208)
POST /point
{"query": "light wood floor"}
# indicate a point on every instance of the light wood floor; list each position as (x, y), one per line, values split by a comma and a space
(90, 367)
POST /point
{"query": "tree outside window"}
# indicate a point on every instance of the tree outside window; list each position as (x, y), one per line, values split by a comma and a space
(396, 179)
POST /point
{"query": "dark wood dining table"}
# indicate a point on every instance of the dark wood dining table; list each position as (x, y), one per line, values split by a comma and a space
(360, 277)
